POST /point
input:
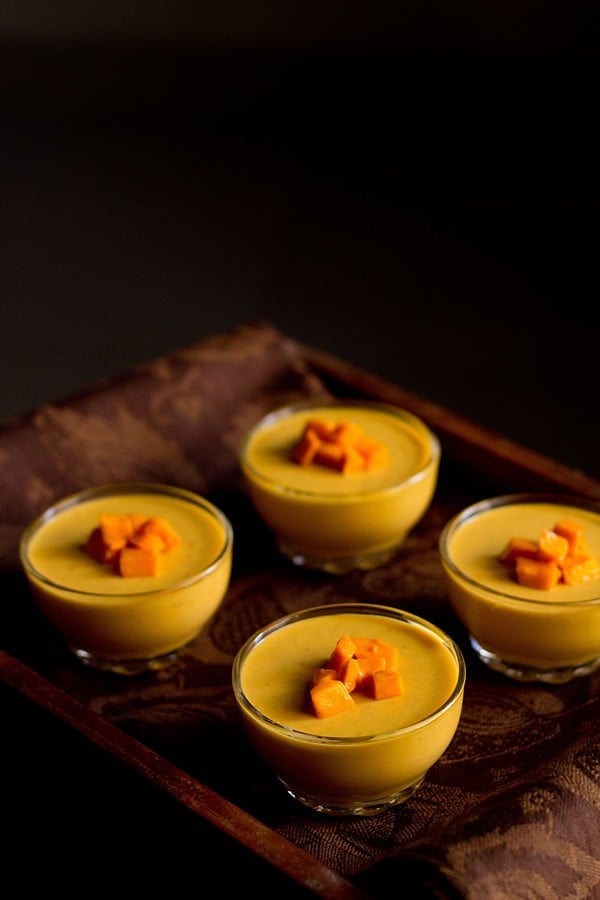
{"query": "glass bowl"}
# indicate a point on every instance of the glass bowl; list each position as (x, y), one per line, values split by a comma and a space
(364, 760)
(128, 624)
(527, 633)
(324, 519)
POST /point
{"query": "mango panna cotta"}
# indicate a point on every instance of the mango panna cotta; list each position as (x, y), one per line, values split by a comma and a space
(523, 576)
(340, 483)
(128, 574)
(349, 704)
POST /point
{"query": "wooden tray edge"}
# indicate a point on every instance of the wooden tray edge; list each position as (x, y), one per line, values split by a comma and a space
(274, 849)
(481, 449)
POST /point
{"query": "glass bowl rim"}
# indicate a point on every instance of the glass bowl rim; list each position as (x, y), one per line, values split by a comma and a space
(398, 412)
(110, 489)
(480, 506)
(329, 609)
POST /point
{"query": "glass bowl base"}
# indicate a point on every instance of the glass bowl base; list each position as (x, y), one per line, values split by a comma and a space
(353, 807)
(125, 666)
(342, 564)
(520, 672)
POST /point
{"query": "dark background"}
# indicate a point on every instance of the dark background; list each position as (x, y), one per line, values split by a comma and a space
(412, 189)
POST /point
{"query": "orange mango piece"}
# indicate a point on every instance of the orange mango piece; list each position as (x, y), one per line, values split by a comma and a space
(347, 433)
(388, 653)
(135, 562)
(323, 428)
(552, 545)
(537, 573)
(155, 533)
(321, 673)
(116, 530)
(573, 532)
(163, 528)
(387, 684)
(146, 539)
(377, 654)
(341, 653)
(575, 571)
(365, 646)
(392, 656)
(518, 546)
(375, 455)
(305, 451)
(137, 521)
(331, 455)
(349, 673)
(98, 549)
(329, 697)
(353, 461)
(367, 665)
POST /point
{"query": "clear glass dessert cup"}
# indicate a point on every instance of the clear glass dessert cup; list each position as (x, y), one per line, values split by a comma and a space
(335, 522)
(121, 624)
(363, 761)
(527, 634)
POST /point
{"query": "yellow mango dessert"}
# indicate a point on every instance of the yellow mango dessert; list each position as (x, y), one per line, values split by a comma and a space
(523, 576)
(341, 483)
(128, 574)
(372, 750)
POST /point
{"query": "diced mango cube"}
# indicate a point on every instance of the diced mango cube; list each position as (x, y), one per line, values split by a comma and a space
(329, 697)
(534, 573)
(387, 684)
(134, 562)
(575, 571)
(552, 545)
(518, 546)
(341, 653)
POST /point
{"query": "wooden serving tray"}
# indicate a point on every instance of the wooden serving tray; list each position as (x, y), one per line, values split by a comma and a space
(178, 733)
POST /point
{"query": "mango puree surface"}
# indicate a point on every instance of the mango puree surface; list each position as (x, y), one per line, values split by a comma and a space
(269, 452)
(275, 678)
(109, 615)
(556, 627)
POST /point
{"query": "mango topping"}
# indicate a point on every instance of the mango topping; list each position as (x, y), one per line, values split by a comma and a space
(342, 446)
(134, 545)
(369, 665)
(559, 556)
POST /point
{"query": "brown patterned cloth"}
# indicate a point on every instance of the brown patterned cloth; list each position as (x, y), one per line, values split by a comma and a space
(177, 420)
(512, 810)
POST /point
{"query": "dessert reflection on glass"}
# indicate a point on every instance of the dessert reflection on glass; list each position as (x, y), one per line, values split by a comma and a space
(128, 574)
(340, 483)
(523, 576)
(350, 704)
